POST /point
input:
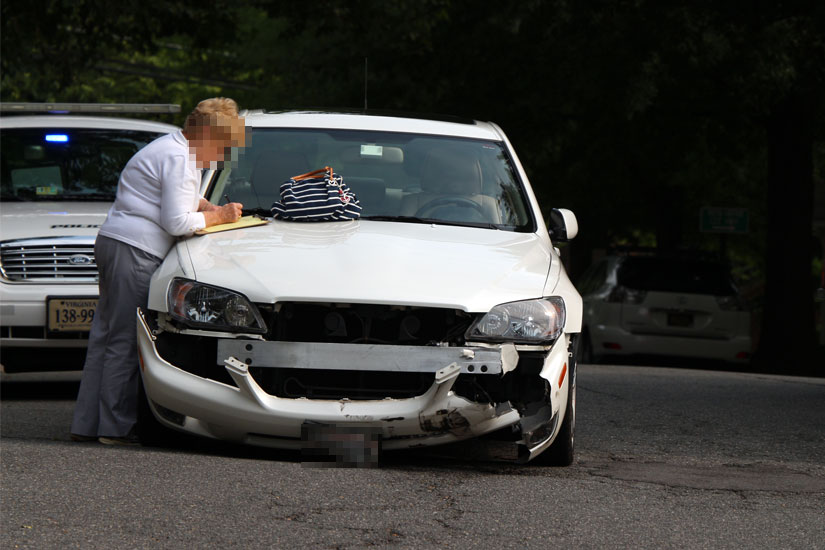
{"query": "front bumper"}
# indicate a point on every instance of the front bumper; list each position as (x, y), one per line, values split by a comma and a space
(245, 413)
(23, 311)
(24, 338)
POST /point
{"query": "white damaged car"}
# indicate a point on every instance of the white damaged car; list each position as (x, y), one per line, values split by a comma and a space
(442, 314)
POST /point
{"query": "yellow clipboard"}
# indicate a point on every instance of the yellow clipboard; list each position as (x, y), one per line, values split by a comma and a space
(246, 221)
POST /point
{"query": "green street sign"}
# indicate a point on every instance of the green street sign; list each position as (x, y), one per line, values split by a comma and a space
(723, 220)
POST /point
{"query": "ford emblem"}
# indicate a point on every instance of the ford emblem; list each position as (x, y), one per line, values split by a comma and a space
(80, 259)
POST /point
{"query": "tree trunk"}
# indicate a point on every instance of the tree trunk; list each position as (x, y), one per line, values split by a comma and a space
(787, 336)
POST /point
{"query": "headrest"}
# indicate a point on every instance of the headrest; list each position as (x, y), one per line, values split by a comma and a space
(451, 171)
(276, 167)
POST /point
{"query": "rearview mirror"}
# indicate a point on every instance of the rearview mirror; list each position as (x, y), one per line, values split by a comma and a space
(563, 225)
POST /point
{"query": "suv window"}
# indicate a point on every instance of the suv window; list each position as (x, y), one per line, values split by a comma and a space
(593, 278)
(40, 164)
(671, 275)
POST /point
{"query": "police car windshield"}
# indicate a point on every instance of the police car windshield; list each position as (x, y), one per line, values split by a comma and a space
(55, 164)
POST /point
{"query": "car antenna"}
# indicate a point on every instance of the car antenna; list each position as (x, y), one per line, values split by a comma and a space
(366, 72)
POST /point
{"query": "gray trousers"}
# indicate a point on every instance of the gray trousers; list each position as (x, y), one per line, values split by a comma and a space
(107, 400)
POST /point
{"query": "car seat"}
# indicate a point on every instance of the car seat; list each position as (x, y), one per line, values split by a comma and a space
(451, 184)
(271, 170)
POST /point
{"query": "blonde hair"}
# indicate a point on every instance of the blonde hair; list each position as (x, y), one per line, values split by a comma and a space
(220, 114)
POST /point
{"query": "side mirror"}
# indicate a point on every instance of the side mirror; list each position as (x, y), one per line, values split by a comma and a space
(563, 225)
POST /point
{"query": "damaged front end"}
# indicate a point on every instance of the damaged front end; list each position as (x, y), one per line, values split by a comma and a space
(418, 376)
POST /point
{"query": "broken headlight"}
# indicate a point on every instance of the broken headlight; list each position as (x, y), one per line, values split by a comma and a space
(213, 308)
(528, 321)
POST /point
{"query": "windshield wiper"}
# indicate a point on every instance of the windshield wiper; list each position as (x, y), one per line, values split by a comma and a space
(436, 221)
(86, 197)
(407, 219)
(263, 212)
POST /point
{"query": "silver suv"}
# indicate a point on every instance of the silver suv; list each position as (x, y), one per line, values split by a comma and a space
(662, 306)
(59, 176)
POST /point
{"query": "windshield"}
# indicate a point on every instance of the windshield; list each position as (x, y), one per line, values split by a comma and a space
(54, 164)
(396, 176)
(666, 275)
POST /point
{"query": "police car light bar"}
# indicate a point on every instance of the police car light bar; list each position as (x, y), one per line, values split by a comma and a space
(60, 108)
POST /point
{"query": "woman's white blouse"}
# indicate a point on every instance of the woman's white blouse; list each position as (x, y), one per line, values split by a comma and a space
(157, 197)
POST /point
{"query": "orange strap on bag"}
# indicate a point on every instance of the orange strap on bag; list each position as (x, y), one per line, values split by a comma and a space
(314, 173)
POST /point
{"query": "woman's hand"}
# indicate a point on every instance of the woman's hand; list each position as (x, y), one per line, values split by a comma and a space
(228, 213)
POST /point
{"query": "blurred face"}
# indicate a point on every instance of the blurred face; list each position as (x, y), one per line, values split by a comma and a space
(207, 148)
(211, 145)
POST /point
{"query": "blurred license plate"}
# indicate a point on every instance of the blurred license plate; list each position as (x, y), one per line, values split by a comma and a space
(70, 314)
(679, 319)
(347, 445)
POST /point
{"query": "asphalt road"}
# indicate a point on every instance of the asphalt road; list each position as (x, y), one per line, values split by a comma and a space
(667, 458)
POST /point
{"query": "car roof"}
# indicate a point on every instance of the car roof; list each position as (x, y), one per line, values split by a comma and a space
(82, 121)
(416, 124)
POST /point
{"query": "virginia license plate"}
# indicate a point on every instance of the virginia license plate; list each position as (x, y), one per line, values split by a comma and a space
(70, 314)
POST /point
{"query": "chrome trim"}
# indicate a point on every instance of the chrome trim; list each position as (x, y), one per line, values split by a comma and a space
(49, 260)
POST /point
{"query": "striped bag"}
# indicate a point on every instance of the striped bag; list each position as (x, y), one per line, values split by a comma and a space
(319, 196)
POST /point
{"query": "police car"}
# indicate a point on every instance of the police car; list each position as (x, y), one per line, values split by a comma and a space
(60, 168)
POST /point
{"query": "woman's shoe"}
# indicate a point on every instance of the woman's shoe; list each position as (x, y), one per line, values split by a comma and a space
(83, 438)
(130, 441)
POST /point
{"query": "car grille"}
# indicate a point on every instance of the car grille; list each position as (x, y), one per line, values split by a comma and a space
(366, 324)
(68, 259)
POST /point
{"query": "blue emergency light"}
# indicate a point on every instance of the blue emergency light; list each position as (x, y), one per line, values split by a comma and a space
(57, 138)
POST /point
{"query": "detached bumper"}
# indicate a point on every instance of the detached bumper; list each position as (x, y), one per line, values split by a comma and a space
(245, 413)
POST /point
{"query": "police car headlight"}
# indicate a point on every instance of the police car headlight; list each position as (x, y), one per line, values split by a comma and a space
(213, 308)
(528, 322)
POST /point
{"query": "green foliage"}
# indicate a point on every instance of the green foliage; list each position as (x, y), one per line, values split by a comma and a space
(94, 51)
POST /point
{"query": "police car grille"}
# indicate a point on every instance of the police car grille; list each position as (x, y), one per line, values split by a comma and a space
(49, 262)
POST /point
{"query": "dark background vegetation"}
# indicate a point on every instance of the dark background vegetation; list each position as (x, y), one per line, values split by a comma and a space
(633, 113)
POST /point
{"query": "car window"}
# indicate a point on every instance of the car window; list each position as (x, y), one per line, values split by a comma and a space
(666, 275)
(65, 164)
(393, 174)
(593, 278)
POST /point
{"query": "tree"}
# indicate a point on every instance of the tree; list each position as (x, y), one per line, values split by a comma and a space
(89, 50)
(635, 114)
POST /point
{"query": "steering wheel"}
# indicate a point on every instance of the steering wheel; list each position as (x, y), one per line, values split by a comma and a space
(427, 210)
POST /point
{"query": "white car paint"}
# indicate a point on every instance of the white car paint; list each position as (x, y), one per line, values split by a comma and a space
(27, 220)
(368, 261)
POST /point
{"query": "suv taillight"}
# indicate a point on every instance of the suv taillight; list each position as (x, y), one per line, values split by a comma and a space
(730, 303)
(624, 295)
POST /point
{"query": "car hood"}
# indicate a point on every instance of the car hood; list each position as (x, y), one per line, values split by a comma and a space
(372, 262)
(22, 220)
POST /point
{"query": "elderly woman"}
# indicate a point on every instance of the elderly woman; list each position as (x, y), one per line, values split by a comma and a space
(157, 200)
